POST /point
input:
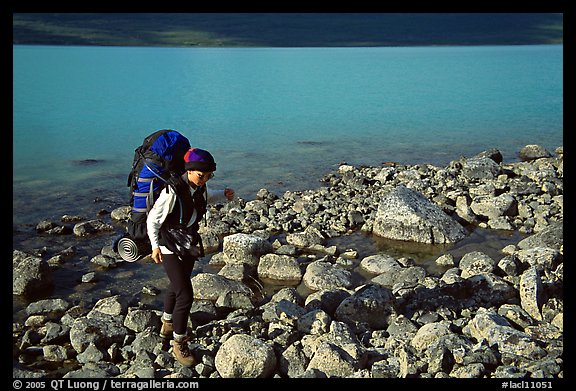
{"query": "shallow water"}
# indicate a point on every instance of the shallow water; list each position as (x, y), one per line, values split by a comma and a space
(128, 279)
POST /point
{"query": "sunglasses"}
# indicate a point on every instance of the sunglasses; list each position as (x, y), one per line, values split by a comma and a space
(204, 176)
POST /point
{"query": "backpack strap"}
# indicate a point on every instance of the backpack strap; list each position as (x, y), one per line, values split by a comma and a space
(174, 188)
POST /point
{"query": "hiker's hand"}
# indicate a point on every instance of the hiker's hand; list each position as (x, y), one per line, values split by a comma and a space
(229, 193)
(156, 255)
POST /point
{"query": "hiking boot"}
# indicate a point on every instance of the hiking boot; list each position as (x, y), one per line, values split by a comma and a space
(183, 353)
(166, 329)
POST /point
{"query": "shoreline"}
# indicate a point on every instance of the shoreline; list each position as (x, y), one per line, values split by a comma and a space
(116, 193)
(296, 228)
(287, 29)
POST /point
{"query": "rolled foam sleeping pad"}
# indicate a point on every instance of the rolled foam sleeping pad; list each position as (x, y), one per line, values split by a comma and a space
(132, 250)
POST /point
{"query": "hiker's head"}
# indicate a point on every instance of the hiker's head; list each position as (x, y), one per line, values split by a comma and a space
(196, 159)
(201, 163)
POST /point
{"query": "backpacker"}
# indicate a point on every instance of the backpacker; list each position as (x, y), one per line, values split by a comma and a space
(158, 162)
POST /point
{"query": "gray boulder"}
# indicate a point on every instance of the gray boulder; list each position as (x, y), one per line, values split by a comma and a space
(531, 292)
(551, 236)
(245, 248)
(208, 286)
(495, 329)
(244, 356)
(92, 227)
(31, 275)
(480, 168)
(279, 269)
(405, 214)
(325, 275)
(373, 304)
(533, 152)
(102, 330)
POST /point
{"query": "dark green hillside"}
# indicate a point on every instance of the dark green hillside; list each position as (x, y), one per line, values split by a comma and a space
(287, 29)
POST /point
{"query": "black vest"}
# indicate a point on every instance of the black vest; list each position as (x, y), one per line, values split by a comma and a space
(183, 209)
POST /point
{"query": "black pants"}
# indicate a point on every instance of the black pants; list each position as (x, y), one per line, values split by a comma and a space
(178, 299)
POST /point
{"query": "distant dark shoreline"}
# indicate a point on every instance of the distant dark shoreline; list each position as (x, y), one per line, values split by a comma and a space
(286, 29)
(279, 47)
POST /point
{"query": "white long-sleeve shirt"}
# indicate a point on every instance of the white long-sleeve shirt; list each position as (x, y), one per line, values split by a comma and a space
(162, 208)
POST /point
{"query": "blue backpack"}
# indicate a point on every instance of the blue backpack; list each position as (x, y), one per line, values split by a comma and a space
(158, 162)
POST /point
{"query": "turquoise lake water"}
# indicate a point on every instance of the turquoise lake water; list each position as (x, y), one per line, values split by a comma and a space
(278, 118)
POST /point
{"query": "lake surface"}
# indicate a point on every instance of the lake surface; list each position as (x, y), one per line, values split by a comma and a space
(278, 118)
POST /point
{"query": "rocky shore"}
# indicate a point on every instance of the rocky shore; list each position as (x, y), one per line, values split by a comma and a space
(480, 318)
